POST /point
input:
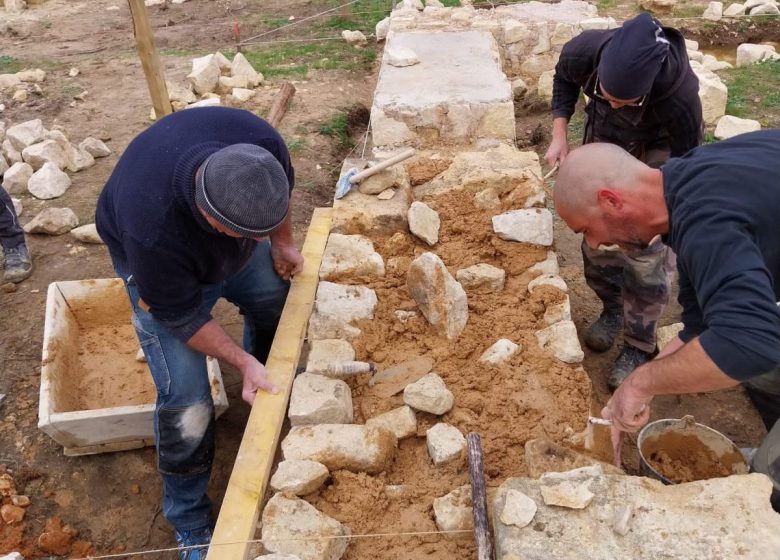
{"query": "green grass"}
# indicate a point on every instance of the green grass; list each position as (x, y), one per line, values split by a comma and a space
(576, 127)
(685, 11)
(295, 144)
(754, 91)
(10, 65)
(337, 128)
(296, 59)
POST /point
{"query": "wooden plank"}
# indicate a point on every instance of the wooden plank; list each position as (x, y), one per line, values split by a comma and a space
(237, 521)
(150, 60)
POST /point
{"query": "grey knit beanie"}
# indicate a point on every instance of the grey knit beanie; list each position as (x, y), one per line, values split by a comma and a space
(244, 188)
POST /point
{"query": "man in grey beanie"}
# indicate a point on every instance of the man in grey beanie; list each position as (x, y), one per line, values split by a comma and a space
(198, 208)
(643, 96)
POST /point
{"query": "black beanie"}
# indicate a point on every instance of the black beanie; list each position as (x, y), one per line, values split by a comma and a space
(632, 59)
(244, 188)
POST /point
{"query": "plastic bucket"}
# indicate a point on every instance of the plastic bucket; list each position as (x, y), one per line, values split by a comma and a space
(681, 450)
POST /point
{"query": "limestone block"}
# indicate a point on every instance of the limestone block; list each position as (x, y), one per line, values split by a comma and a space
(500, 352)
(25, 134)
(733, 10)
(445, 444)
(48, 182)
(712, 92)
(359, 213)
(222, 61)
(350, 255)
(696, 55)
(87, 234)
(749, 53)
(228, 83)
(729, 126)
(518, 510)
(765, 10)
(664, 335)
(713, 64)
(328, 351)
(401, 421)
(519, 89)
(385, 179)
(532, 225)
(564, 492)
(429, 394)
(382, 28)
(9, 81)
(594, 23)
(424, 222)
(242, 94)
(46, 151)
(293, 526)
(497, 121)
(544, 87)
(563, 34)
(35, 76)
(714, 11)
(691, 45)
(515, 31)
(560, 339)
(548, 265)
(543, 44)
(388, 131)
(482, 276)
(242, 67)
(354, 38)
(316, 399)
(299, 477)
(439, 296)
(352, 447)
(548, 280)
(453, 512)
(11, 154)
(337, 306)
(558, 312)
(205, 74)
(96, 148)
(53, 221)
(17, 176)
(401, 56)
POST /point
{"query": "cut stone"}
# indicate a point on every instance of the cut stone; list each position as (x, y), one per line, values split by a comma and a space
(560, 339)
(46, 151)
(205, 73)
(25, 134)
(293, 526)
(53, 221)
(482, 276)
(558, 312)
(48, 182)
(500, 352)
(544, 88)
(729, 126)
(445, 444)
(299, 477)
(453, 512)
(322, 353)
(534, 225)
(749, 53)
(352, 256)
(518, 510)
(17, 176)
(356, 448)
(548, 280)
(439, 296)
(712, 92)
(429, 394)
(401, 421)
(337, 306)
(401, 56)
(316, 399)
(424, 222)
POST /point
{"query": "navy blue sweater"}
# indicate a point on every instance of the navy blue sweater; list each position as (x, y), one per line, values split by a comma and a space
(724, 205)
(147, 216)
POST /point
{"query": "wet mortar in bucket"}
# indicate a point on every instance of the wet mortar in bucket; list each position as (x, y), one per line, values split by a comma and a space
(677, 451)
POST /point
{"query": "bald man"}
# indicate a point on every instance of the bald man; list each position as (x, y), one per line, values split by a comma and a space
(642, 96)
(717, 208)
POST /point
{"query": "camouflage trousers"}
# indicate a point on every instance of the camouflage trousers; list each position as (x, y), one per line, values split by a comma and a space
(636, 284)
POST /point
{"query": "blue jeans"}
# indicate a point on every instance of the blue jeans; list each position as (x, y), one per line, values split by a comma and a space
(184, 414)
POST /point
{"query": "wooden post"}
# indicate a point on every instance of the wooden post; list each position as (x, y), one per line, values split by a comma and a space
(150, 60)
(346, 9)
(478, 498)
(237, 521)
(281, 102)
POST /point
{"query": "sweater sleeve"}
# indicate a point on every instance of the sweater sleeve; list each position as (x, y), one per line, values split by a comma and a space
(734, 292)
(693, 324)
(575, 65)
(684, 121)
(168, 285)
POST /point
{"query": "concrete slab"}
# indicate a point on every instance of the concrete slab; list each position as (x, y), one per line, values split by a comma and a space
(469, 96)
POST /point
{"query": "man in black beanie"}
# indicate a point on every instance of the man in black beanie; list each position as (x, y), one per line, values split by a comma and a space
(642, 96)
(196, 209)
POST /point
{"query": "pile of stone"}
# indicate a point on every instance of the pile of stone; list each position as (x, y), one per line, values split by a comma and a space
(211, 77)
(20, 85)
(35, 160)
(715, 11)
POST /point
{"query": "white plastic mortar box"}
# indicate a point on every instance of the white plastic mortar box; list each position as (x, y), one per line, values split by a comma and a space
(95, 395)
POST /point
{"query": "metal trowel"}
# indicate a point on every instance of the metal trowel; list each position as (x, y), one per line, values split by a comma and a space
(392, 380)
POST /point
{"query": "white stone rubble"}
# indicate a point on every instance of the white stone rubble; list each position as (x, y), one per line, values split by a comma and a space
(734, 10)
(560, 339)
(519, 510)
(46, 151)
(337, 307)
(533, 225)
(558, 312)
(48, 182)
(205, 73)
(401, 421)
(749, 53)
(566, 490)
(500, 352)
(401, 56)
(548, 265)
(712, 92)
(382, 27)
(440, 297)
(424, 222)
(354, 38)
(11, 154)
(242, 94)
(323, 353)
(242, 67)
(482, 276)
(714, 11)
(729, 126)
(53, 221)
(299, 477)
(18, 207)
(87, 234)
(544, 88)
(25, 134)
(766, 10)
(453, 512)
(17, 176)
(429, 394)
(95, 148)
(548, 280)
(445, 444)
(316, 399)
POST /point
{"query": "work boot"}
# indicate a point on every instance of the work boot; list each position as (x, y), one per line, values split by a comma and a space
(629, 359)
(17, 264)
(601, 334)
(193, 544)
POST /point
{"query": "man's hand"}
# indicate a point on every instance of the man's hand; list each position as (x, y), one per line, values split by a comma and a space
(255, 377)
(559, 147)
(288, 261)
(629, 408)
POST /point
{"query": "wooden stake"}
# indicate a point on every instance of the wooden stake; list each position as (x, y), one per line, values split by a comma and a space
(346, 10)
(237, 521)
(280, 105)
(479, 498)
(150, 60)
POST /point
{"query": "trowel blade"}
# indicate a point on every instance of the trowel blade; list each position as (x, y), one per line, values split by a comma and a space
(392, 380)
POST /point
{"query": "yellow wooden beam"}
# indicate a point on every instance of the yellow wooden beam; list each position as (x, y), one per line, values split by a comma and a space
(150, 60)
(240, 510)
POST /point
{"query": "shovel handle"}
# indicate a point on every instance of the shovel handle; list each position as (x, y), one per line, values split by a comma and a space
(406, 154)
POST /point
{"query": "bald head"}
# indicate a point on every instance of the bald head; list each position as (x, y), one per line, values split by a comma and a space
(590, 168)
